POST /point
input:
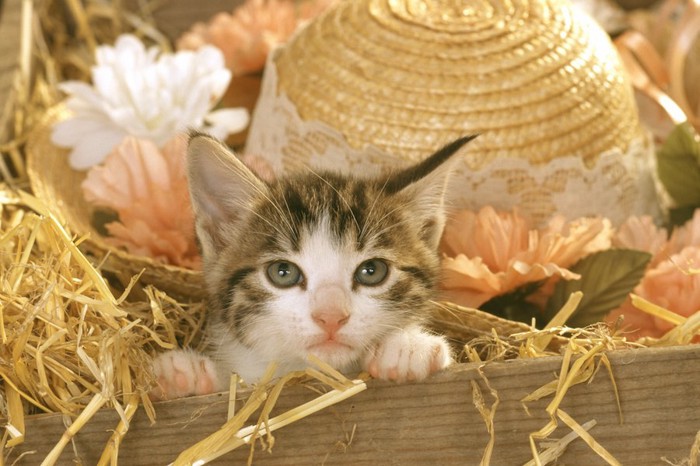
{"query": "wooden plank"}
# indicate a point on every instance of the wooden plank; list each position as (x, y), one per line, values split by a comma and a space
(434, 422)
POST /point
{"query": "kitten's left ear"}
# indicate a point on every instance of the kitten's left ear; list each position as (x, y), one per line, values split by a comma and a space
(222, 189)
(426, 183)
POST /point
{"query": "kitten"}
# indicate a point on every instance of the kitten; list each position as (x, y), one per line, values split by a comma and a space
(340, 267)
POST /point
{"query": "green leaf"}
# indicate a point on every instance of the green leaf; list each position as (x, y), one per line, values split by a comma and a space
(678, 165)
(607, 277)
(514, 305)
(680, 215)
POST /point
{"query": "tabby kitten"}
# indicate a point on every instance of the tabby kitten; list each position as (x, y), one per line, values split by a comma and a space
(336, 266)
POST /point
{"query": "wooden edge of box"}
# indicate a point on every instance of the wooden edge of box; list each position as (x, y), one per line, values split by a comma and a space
(433, 421)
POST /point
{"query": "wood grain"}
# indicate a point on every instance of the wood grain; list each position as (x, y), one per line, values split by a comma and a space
(433, 422)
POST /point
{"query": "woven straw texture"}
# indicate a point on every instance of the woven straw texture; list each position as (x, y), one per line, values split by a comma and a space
(539, 78)
(58, 185)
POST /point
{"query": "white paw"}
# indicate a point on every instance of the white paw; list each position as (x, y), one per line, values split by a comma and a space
(411, 354)
(180, 373)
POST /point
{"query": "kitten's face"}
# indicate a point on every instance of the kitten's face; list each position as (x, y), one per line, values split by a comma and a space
(316, 263)
(324, 265)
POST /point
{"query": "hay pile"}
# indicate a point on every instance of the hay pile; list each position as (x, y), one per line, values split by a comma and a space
(72, 343)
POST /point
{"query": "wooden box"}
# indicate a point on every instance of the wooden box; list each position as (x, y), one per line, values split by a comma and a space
(434, 422)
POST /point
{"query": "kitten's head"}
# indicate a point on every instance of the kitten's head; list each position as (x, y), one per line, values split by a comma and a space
(317, 262)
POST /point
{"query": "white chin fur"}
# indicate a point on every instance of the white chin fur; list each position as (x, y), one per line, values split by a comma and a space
(338, 356)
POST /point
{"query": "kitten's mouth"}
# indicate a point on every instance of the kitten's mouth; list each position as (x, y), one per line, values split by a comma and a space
(329, 346)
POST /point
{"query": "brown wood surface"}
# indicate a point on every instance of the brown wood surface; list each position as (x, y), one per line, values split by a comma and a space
(433, 422)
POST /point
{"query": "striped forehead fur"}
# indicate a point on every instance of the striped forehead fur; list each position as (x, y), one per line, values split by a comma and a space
(356, 209)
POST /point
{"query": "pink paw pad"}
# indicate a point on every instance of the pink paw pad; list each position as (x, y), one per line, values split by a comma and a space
(410, 355)
(181, 373)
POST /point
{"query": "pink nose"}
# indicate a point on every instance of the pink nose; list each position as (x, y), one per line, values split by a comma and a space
(330, 320)
(330, 308)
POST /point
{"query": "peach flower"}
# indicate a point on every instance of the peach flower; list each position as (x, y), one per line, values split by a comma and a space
(672, 285)
(147, 187)
(671, 280)
(490, 253)
(642, 234)
(247, 36)
(686, 235)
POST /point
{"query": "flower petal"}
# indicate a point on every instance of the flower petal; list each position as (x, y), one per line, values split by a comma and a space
(227, 121)
(169, 93)
(94, 147)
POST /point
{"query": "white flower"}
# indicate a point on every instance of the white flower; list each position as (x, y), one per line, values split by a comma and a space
(139, 92)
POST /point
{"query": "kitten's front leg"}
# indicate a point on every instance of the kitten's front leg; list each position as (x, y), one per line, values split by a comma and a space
(409, 354)
(182, 373)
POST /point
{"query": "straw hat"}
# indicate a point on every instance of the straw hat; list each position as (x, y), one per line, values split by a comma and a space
(373, 83)
(58, 185)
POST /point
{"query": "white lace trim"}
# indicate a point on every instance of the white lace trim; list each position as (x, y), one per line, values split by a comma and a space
(617, 186)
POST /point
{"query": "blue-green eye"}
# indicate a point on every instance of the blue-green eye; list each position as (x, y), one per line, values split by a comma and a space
(372, 272)
(284, 274)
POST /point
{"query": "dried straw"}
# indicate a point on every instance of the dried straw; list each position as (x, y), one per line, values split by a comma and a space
(69, 343)
(232, 435)
(686, 328)
(553, 450)
(584, 352)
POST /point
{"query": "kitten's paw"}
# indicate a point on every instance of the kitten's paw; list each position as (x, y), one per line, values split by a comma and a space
(411, 354)
(182, 373)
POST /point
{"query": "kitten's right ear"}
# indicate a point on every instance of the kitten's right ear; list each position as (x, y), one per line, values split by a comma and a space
(221, 187)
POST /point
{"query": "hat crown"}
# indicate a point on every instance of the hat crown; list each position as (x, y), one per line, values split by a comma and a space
(455, 15)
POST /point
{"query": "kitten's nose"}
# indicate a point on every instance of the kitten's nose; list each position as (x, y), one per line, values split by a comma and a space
(330, 320)
(330, 310)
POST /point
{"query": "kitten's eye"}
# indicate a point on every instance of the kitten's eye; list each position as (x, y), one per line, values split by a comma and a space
(284, 274)
(372, 272)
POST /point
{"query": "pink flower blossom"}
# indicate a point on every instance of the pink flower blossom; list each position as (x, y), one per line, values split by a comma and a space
(490, 253)
(642, 234)
(671, 281)
(686, 235)
(247, 36)
(673, 285)
(147, 187)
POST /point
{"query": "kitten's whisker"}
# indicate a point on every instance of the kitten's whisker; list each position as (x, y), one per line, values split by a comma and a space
(294, 228)
(275, 205)
(376, 234)
(246, 207)
(385, 216)
(371, 211)
(260, 188)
